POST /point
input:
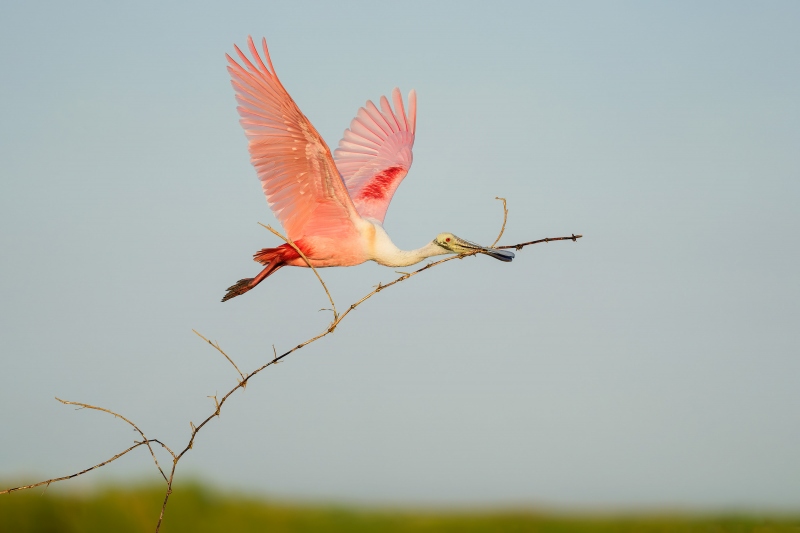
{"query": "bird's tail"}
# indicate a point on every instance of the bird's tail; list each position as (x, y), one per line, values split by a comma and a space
(272, 255)
(272, 258)
(240, 287)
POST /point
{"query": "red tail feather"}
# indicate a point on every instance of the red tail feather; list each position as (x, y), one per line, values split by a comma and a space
(272, 259)
(281, 254)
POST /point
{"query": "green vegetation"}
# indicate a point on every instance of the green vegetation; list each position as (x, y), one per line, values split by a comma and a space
(197, 510)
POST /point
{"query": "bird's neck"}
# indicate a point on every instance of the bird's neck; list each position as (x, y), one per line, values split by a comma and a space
(401, 258)
(384, 252)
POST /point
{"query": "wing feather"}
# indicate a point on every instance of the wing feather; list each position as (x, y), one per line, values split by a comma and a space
(350, 136)
(297, 172)
(375, 153)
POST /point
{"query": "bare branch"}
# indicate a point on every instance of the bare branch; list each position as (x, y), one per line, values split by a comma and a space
(220, 351)
(117, 415)
(167, 494)
(219, 402)
(49, 481)
(520, 246)
(299, 251)
(505, 219)
(332, 327)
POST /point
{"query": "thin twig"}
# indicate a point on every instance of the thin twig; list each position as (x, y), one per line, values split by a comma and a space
(167, 494)
(98, 465)
(505, 218)
(521, 245)
(299, 251)
(117, 415)
(220, 351)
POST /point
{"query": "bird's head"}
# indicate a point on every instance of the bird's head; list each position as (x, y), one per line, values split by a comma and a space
(456, 245)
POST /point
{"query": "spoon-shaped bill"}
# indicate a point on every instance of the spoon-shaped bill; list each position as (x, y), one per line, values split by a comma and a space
(460, 246)
(502, 255)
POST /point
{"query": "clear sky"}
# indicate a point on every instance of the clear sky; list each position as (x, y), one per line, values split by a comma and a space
(653, 363)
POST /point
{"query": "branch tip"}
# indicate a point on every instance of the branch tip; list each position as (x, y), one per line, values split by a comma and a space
(505, 219)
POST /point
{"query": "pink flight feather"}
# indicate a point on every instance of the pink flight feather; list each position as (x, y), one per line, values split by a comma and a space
(375, 153)
(299, 178)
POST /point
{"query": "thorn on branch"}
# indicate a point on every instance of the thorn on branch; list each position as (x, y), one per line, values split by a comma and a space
(216, 402)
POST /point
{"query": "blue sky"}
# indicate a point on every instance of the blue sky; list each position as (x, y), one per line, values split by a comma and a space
(654, 363)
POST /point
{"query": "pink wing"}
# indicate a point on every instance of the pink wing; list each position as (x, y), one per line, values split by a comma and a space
(375, 154)
(295, 166)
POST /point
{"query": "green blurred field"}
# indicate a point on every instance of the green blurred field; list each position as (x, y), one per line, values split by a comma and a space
(197, 510)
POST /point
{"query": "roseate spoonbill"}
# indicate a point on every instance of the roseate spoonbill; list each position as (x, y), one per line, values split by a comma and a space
(331, 206)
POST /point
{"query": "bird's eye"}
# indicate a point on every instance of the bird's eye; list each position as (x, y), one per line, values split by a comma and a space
(447, 239)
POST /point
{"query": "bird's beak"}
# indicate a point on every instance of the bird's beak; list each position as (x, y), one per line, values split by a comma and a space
(460, 246)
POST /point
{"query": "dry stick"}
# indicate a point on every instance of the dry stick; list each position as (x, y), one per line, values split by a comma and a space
(49, 481)
(243, 383)
(117, 415)
(505, 218)
(220, 351)
(521, 245)
(299, 251)
(167, 494)
(144, 441)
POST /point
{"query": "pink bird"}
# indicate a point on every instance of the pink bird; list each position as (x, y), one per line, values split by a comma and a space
(332, 208)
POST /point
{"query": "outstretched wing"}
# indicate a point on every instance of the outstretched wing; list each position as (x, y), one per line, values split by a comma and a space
(375, 153)
(295, 166)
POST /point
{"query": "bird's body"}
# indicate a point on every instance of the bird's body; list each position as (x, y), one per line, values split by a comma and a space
(332, 209)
